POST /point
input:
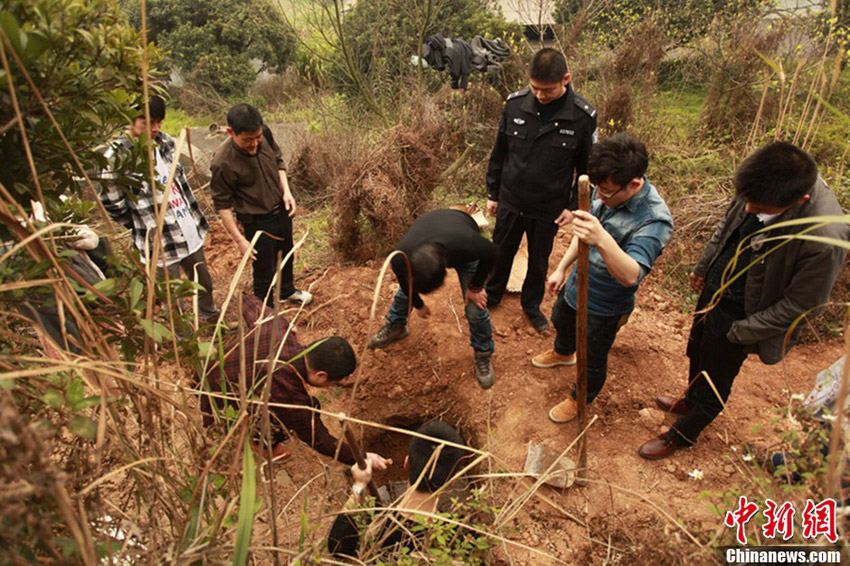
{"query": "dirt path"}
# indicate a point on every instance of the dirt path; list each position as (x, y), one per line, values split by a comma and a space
(630, 506)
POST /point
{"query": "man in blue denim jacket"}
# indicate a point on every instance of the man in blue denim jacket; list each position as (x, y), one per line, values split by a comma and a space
(627, 227)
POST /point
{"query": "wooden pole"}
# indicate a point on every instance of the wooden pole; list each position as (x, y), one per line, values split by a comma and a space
(358, 454)
(581, 332)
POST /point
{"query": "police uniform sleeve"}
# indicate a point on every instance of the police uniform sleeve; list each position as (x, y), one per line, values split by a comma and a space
(497, 161)
(585, 143)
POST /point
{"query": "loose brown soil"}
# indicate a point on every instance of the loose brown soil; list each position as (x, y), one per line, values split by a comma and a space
(630, 506)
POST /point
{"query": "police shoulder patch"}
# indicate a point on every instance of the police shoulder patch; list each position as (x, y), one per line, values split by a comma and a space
(519, 93)
(582, 103)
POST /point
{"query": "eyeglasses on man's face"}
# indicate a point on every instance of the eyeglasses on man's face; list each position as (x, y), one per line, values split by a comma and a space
(606, 192)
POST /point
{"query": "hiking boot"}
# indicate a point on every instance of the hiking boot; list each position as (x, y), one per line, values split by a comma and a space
(484, 370)
(388, 334)
(550, 358)
(299, 298)
(565, 411)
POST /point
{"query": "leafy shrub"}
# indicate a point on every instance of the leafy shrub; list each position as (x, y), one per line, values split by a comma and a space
(383, 34)
(683, 21)
(85, 62)
(732, 55)
(221, 45)
(628, 78)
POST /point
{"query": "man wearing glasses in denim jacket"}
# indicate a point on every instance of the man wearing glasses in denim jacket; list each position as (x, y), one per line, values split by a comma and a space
(627, 227)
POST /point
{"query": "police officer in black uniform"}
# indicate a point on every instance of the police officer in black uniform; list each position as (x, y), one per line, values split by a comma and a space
(542, 147)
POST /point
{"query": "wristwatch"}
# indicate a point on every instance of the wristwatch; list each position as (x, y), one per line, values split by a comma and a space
(357, 489)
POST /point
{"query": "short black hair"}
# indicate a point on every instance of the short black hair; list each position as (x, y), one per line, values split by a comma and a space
(548, 66)
(622, 157)
(778, 175)
(244, 118)
(156, 108)
(333, 355)
(434, 474)
(428, 265)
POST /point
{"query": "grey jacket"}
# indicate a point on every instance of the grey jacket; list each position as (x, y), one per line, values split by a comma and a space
(790, 278)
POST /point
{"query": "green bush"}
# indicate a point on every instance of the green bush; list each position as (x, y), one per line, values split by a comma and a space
(219, 44)
(383, 37)
(85, 61)
(684, 20)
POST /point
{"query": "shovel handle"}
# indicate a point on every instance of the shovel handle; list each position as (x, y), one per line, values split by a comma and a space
(581, 330)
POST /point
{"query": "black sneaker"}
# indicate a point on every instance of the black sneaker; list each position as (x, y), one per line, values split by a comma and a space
(484, 370)
(388, 334)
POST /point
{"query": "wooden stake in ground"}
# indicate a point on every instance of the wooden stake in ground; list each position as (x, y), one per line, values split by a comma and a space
(581, 331)
(358, 455)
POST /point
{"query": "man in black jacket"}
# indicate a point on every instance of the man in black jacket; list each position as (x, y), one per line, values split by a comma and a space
(436, 241)
(542, 146)
(767, 280)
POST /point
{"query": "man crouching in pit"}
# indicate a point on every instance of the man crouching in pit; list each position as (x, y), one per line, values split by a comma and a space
(321, 364)
(431, 466)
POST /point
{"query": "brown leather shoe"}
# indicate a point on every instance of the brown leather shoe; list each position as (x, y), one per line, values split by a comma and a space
(658, 448)
(672, 404)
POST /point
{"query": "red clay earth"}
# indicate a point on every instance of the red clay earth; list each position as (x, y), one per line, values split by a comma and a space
(630, 504)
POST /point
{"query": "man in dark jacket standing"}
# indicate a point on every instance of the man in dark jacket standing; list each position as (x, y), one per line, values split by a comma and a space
(772, 283)
(542, 147)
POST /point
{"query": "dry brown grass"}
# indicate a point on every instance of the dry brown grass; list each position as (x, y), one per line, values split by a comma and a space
(377, 187)
(734, 92)
(278, 89)
(200, 102)
(380, 194)
(628, 79)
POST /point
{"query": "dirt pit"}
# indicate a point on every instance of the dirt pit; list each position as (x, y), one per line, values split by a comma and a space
(394, 445)
(631, 509)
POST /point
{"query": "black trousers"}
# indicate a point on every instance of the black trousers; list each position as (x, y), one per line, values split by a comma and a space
(601, 333)
(279, 225)
(711, 352)
(507, 235)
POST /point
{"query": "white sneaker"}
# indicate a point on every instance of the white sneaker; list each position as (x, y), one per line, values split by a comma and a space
(299, 297)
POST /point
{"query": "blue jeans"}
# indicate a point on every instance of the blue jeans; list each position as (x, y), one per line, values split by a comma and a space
(480, 331)
(601, 332)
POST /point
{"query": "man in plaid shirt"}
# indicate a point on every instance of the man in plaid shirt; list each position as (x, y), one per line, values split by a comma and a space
(327, 361)
(132, 205)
